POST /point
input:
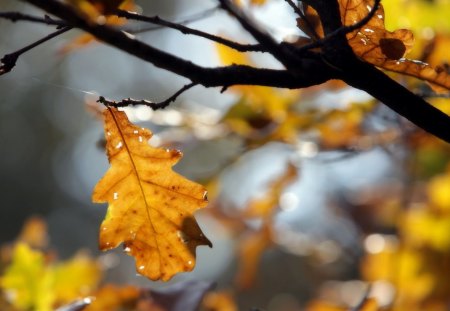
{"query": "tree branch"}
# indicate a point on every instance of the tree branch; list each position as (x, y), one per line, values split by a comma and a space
(135, 102)
(315, 72)
(16, 16)
(9, 60)
(190, 31)
(187, 20)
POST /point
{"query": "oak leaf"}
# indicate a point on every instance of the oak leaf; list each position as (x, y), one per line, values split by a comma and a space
(383, 48)
(32, 282)
(150, 206)
(376, 45)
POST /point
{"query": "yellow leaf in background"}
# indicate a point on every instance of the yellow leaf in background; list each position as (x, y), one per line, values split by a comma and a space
(32, 283)
(267, 100)
(341, 128)
(264, 207)
(257, 2)
(369, 304)
(404, 269)
(423, 228)
(418, 15)
(439, 193)
(75, 278)
(96, 9)
(150, 206)
(27, 281)
(111, 298)
(34, 233)
(250, 251)
(218, 301)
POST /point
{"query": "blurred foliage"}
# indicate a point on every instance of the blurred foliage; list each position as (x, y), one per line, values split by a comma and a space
(403, 225)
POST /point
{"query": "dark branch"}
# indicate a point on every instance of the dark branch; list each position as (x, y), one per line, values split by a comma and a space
(342, 30)
(280, 52)
(9, 60)
(187, 20)
(315, 72)
(190, 31)
(16, 16)
(302, 16)
(135, 102)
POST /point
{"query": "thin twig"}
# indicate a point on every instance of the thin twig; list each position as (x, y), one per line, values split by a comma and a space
(302, 16)
(135, 102)
(16, 16)
(433, 95)
(342, 30)
(9, 60)
(190, 31)
(281, 52)
(187, 20)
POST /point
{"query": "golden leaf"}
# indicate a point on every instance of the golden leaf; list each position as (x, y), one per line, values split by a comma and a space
(264, 207)
(383, 48)
(250, 252)
(111, 297)
(378, 46)
(31, 282)
(150, 206)
(219, 301)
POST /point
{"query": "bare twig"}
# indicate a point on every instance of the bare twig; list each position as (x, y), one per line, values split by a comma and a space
(342, 30)
(187, 20)
(135, 102)
(431, 94)
(190, 31)
(302, 16)
(16, 16)
(9, 60)
(280, 52)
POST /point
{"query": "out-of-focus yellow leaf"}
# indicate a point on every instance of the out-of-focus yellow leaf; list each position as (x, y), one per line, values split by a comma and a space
(150, 206)
(34, 233)
(369, 304)
(250, 251)
(27, 282)
(439, 193)
(418, 15)
(405, 269)
(218, 301)
(30, 282)
(75, 278)
(264, 207)
(340, 128)
(97, 11)
(257, 2)
(272, 102)
(113, 298)
(423, 228)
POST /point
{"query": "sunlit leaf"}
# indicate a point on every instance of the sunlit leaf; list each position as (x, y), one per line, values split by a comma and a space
(439, 194)
(384, 48)
(31, 282)
(250, 251)
(378, 46)
(150, 206)
(97, 11)
(27, 281)
(114, 298)
(264, 206)
(424, 228)
(219, 301)
(75, 278)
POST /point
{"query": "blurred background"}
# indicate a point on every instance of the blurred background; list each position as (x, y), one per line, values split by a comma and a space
(304, 185)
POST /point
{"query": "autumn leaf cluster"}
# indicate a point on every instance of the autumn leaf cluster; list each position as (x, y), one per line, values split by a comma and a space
(402, 225)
